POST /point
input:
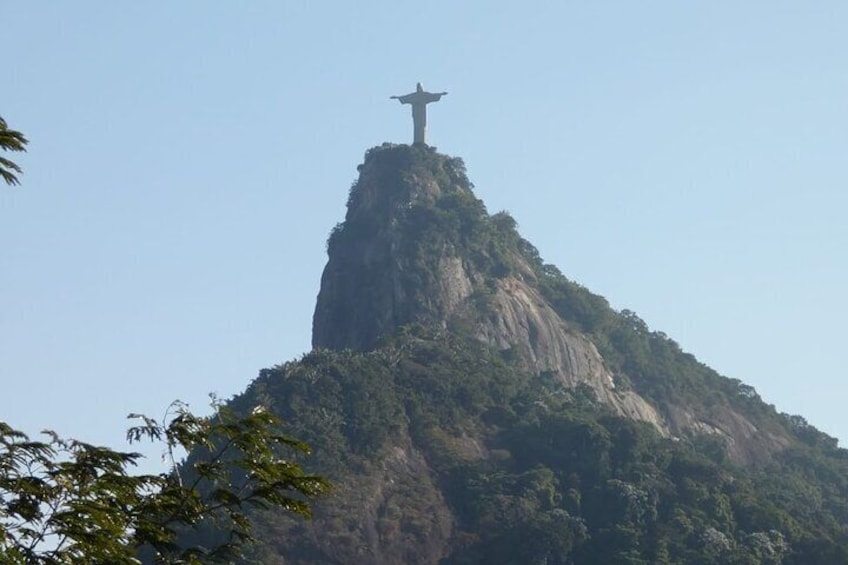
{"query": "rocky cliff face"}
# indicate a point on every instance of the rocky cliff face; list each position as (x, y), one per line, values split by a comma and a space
(372, 283)
(417, 247)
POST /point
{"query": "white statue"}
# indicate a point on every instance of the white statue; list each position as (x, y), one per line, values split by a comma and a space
(419, 100)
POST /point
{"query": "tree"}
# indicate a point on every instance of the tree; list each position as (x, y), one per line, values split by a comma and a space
(65, 501)
(10, 140)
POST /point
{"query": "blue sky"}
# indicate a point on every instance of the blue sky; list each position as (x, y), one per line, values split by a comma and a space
(188, 160)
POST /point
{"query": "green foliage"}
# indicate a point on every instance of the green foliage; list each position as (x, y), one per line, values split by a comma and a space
(537, 473)
(65, 501)
(10, 140)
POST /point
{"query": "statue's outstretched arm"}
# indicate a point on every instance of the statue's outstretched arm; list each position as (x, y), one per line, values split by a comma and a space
(405, 99)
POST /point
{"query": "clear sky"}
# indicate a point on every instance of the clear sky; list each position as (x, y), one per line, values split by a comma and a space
(188, 160)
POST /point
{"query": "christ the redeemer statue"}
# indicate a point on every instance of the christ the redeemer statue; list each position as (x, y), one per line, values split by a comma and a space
(419, 100)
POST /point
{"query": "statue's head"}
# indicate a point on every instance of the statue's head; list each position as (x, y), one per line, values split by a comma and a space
(419, 88)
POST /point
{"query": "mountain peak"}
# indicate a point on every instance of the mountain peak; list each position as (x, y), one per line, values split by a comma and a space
(379, 266)
(476, 406)
(417, 247)
(396, 177)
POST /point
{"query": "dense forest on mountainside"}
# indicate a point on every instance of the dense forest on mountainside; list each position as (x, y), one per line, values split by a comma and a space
(529, 470)
(446, 444)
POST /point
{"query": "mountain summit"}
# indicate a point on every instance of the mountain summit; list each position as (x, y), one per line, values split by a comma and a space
(417, 247)
(473, 405)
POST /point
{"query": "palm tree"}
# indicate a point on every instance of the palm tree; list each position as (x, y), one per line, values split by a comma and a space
(10, 140)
